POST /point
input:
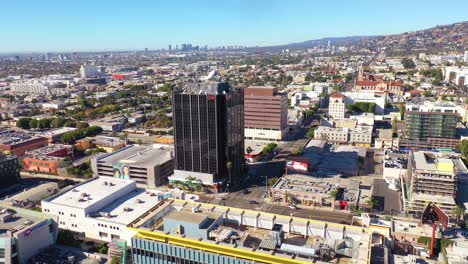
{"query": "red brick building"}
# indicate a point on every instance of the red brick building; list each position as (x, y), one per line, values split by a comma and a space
(17, 143)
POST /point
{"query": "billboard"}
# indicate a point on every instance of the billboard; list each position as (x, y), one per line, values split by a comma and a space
(298, 165)
(121, 171)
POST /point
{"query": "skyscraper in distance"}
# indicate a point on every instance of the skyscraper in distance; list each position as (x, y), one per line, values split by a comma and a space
(209, 134)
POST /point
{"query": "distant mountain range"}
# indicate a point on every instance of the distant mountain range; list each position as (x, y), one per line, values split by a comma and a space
(443, 37)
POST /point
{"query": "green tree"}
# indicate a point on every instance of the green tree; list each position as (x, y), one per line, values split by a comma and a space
(269, 148)
(116, 260)
(102, 249)
(23, 123)
(426, 93)
(333, 194)
(459, 212)
(299, 151)
(272, 181)
(372, 202)
(58, 122)
(229, 167)
(66, 237)
(464, 148)
(44, 123)
(310, 133)
(33, 123)
(402, 111)
(408, 63)
(69, 124)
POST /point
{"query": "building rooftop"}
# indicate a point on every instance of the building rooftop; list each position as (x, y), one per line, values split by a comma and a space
(428, 161)
(91, 192)
(186, 217)
(128, 207)
(12, 137)
(239, 225)
(46, 150)
(57, 131)
(141, 156)
(212, 88)
(16, 219)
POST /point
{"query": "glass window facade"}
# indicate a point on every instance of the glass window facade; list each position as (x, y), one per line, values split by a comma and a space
(146, 252)
(424, 125)
(209, 131)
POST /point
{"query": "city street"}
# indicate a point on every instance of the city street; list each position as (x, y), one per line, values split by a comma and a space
(254, 200)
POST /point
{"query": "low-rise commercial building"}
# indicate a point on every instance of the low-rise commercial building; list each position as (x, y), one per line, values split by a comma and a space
(47, 159)
(23, 233)
(359, 136)
(149, 166)
(17, 143)
(183, 231)
(316, 192)
(100, 208)
(55, 135)
(108, 144)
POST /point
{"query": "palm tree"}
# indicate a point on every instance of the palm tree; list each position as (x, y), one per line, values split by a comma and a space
(372, 203)
(229, 167)
(189, 182)
(459, 212)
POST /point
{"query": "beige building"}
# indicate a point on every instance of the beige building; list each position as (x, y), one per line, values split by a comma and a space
(337, 106)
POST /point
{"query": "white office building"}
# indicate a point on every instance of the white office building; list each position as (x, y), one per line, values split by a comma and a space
(101, 208)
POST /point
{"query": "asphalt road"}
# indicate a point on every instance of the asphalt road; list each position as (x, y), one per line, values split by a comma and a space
(254, 200)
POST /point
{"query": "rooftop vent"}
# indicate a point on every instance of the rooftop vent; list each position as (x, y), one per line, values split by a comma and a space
(127, 209)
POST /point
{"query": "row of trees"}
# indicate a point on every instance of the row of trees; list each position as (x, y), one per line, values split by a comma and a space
(362, 107)
(31, 123)
(72, 136)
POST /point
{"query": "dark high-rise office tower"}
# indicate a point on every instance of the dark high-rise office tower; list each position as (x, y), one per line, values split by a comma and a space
(170, 48)
(209, 134)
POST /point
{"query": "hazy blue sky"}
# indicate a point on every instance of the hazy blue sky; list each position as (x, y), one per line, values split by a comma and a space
(69, 25)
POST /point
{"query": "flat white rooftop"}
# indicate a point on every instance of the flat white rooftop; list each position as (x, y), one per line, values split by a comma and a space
(129, 207)
(91, 192)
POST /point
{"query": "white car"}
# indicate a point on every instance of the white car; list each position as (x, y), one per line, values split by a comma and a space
(292, 206)
(219, 198)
